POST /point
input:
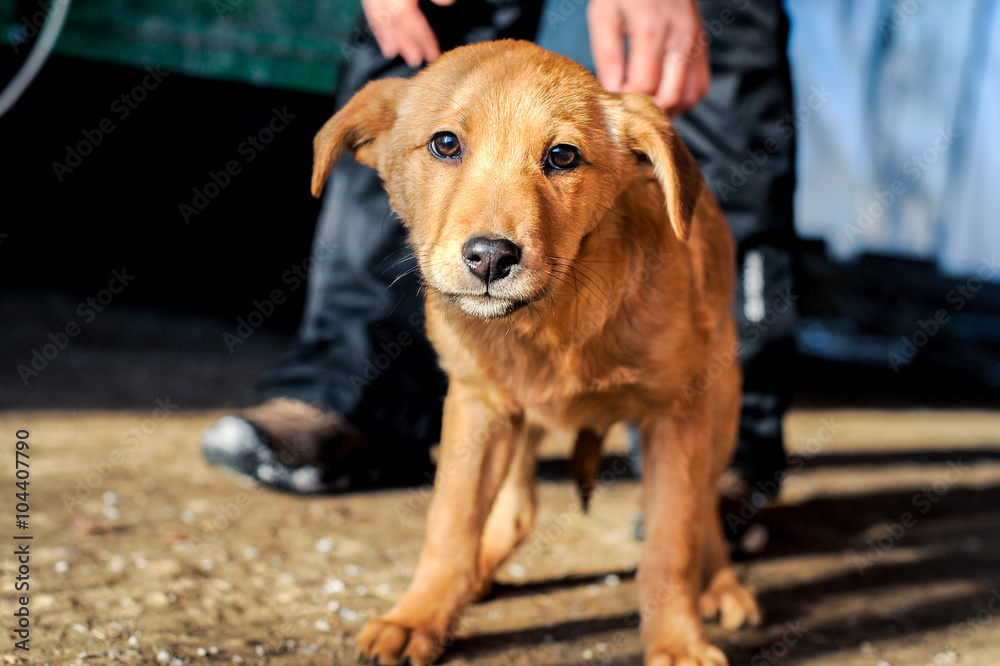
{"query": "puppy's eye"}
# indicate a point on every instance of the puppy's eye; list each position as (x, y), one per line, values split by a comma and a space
(445, 145)
(562, 157)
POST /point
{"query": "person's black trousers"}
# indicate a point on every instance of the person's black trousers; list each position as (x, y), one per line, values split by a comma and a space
(361, 349)
(743, 137)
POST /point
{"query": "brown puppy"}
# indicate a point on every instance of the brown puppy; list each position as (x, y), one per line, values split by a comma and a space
(578, 273)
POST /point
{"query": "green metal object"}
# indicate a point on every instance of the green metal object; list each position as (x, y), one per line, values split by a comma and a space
(291, 45)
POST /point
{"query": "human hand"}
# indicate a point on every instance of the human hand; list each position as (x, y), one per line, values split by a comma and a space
(667, 58)
(400, 28)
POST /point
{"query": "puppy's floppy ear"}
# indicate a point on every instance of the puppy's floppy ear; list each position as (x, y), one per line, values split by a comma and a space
(360, 127)
(646, 131)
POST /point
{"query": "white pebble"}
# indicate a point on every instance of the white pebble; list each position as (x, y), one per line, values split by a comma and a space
(188, 517)
(320, 625)
(207, 564)
(141, 563)
(213, 650)
(176, 661)
(109, 498)
(251, 552)
(201, 652)
(163, 656)
(755, 539)
(333, 606)
(334, 586)
(352, 570)
(325, 545)
(62, 566)
(348, 614)
(259, 650)
(612, 580)
(133, 641)
(588, 655)
(517, 570)
(111, 512)
(116, 564)
(361, 590)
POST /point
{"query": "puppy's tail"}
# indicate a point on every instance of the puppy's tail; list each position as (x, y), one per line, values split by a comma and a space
(585, 465)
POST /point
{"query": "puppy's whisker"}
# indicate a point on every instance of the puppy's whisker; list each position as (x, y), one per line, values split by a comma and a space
(397, 263)
(406, 251)
(409, 271)
(587, 282)
(579, 264)
(578, 260)
(559, 277)
(562, 275)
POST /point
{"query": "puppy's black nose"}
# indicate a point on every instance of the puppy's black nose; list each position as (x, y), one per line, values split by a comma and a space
(490, 258)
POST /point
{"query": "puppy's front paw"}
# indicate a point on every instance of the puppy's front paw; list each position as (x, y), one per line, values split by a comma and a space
(702, 654)
(382, 641)
(725, 598)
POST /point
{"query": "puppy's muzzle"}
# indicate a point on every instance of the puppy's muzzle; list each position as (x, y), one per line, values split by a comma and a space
(490, 259)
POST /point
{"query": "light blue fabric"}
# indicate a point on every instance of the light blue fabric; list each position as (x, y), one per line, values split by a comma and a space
(563, 30)
(898, 126)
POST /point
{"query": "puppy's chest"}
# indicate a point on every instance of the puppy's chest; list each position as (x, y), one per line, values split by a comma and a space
(563, 385)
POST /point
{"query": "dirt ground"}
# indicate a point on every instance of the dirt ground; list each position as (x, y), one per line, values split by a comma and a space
(883, 550)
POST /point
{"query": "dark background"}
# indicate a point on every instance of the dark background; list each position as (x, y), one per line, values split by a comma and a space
(120, 206)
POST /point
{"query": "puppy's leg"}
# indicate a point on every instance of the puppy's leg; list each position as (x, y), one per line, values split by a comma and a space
(476, 452)
(676, 471)
(513, 514)
(723, 596)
